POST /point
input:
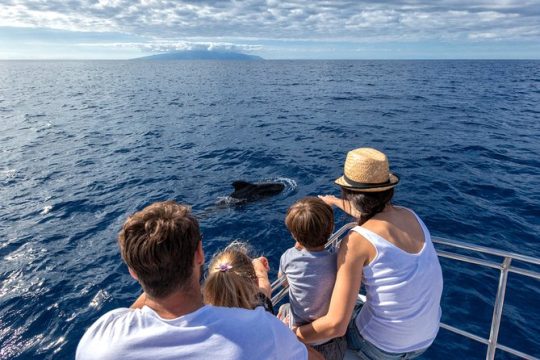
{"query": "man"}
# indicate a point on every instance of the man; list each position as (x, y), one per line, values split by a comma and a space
(163, 250)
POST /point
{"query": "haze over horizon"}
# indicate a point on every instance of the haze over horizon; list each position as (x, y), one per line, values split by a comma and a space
(340, 29)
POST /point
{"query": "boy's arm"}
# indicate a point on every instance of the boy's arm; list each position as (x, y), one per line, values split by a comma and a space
(285, 282)
(281, 270)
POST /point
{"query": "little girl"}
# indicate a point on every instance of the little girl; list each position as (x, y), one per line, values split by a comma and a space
(235, 280)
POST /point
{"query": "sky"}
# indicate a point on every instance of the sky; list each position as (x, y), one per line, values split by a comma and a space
(272, 29)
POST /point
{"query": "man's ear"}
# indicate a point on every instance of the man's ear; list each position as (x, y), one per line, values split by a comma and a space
(199, 254)
(132, 273)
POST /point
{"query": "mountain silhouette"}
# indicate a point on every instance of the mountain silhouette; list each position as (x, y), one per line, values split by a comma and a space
(201, 55)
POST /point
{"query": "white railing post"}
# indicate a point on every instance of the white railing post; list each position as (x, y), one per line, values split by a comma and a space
(497, 309)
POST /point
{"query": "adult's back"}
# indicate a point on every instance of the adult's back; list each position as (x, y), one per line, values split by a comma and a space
(208, 333)
(403, 283)
(399, 226)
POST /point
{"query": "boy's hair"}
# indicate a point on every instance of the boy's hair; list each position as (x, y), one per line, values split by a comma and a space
(231, 280)
(310, 221)
(159, 243)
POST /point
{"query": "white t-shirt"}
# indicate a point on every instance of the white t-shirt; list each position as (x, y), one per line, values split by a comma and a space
(209, 333)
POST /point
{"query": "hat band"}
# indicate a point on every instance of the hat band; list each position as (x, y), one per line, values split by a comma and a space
(361, 185)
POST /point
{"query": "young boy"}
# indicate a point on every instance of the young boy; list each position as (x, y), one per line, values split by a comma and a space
(310, 269)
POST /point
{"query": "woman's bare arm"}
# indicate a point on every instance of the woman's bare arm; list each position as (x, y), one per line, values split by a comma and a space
(344, 205)
(353, 255)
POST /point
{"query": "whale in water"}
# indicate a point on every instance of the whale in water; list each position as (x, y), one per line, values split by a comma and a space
(245, 191)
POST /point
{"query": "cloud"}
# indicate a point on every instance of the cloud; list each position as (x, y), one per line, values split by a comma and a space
(209, 46)
(195, 24)
(166, 46)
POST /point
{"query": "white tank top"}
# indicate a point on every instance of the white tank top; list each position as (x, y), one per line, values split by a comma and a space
(403, 290)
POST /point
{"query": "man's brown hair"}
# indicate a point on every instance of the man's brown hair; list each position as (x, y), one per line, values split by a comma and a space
(158, 243)
(310, 221)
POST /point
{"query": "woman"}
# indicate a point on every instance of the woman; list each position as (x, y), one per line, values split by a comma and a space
(391, 252)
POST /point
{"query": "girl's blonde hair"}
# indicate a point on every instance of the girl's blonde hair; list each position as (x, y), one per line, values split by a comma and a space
(231, 280)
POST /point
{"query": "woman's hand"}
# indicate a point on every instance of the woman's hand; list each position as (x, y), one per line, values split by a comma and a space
(329, 199)
(344, 205)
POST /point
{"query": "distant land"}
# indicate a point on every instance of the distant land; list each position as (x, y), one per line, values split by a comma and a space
(201, 55)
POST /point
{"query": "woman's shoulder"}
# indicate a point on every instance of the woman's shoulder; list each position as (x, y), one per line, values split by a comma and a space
(401, 227)
(395, 217)
(358, 246)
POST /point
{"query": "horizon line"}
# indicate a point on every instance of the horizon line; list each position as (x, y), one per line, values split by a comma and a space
(286, 59)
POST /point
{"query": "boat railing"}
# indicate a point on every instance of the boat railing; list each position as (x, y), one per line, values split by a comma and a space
(503, 264)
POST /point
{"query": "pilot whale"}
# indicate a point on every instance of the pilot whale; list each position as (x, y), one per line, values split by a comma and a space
(245, 191)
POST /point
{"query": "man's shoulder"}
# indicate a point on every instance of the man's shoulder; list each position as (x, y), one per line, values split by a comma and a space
(238, 332)
(104, 330)
(241, 316)
(224, 317)
(260, 328)
(108, 322)
(112, 316)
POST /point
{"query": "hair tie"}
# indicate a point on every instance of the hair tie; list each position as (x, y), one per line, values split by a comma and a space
(223, 267)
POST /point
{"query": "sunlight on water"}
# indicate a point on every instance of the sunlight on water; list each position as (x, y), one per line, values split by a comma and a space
(99, 299)
(8, 174)
(15, 344)
(85, 144)
(227, 200)
(18, 285)
(46, 209)
(290, 184)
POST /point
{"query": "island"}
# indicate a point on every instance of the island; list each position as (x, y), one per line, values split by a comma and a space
(201, 55)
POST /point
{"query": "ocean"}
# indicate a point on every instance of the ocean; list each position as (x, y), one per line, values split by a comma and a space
(83, 144)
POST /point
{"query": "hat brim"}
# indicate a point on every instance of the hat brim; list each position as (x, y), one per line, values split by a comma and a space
(392, 181)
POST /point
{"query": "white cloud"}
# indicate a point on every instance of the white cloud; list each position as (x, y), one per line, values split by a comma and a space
(186, 45)
(272, 19)
(166, 46)
(483, 35)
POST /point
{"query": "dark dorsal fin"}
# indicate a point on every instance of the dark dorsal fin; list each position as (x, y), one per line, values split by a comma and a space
(238, 185)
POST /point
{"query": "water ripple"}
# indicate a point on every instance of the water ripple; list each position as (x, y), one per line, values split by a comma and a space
(84, 144)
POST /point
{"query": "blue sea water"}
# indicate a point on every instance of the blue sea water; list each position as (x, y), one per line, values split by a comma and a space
(84, 144)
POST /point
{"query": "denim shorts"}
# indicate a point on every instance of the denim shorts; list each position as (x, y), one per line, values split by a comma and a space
(333, 349)
(366, 350)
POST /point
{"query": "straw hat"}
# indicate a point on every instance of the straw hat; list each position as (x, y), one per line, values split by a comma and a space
(367, 170)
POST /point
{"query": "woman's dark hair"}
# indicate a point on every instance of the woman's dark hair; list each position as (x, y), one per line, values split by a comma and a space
(367, 203)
